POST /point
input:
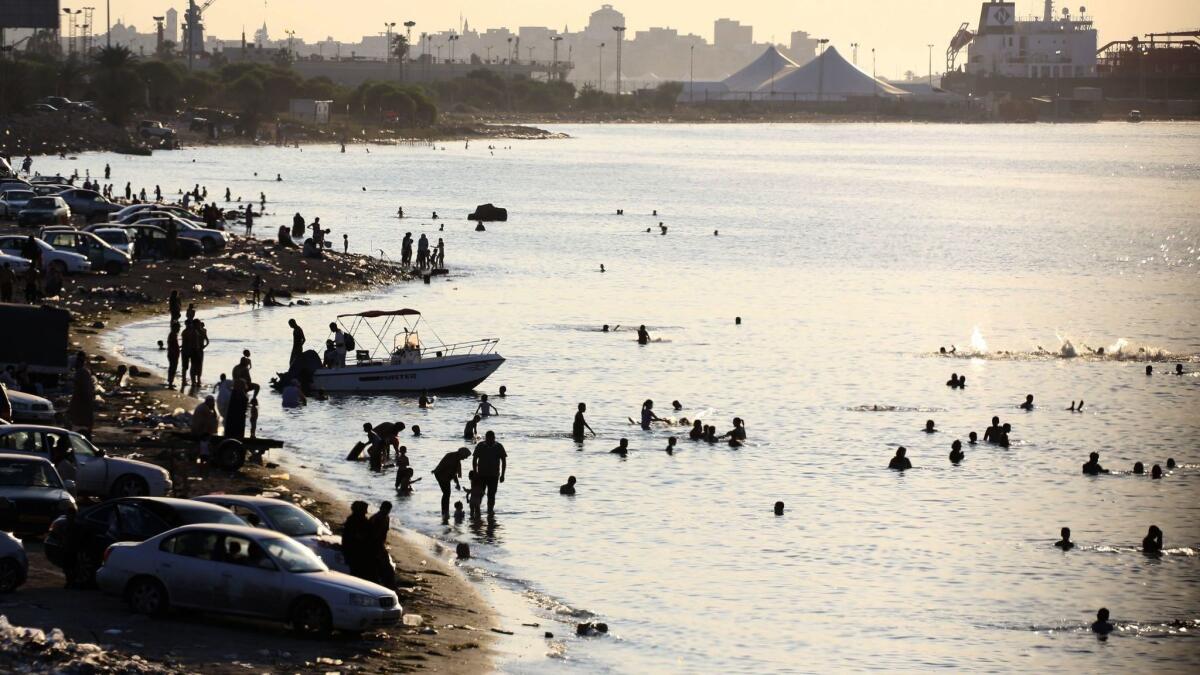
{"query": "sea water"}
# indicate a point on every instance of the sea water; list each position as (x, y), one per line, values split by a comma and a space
(851, 253)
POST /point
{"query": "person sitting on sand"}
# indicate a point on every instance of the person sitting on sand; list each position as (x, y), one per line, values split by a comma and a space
(956, 452)
(697, 431)
(900, 462)
(622, 449)
(1101, 626)
(1092, 467)
(1028, 404)
(1065, 543)
(1152, 543)
(580, 424)
(471, 431)
(204, 417)
(568, 488)
(929, 427)
(648, 415)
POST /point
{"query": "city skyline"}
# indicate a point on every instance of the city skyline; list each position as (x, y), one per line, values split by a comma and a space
(901, 41)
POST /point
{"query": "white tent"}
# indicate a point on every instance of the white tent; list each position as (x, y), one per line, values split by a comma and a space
(829, 77)
(771, 64)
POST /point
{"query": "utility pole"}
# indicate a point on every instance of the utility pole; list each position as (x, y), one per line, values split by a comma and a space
(600, 70)
(408, 26)
(620, 30)
(554, 73)
(387, 52)
(692, 73)
(854, 46)
(108, 21)
(930, 66)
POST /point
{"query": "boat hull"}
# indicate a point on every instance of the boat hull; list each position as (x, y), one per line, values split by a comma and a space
(433, 375)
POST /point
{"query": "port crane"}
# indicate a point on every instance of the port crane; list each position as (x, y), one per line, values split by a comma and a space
(193, 28)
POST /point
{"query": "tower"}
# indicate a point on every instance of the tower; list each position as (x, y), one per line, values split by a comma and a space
(172, 26)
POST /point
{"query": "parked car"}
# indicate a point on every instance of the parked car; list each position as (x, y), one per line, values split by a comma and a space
(48, 189)
(32, 495)
(286, 518)
(116, 237)
(14, 183)
(13, 200)
(211, 240)
(152, 129)
(30, 409)
(47, 210)
(67, 262)
(244, 571)
(55, 180)
(150, 241)
(57, 102)
(97, 473)
(15, 262)
(14, 565)
(131, 213)
(76, 544)
(90, 204)
(101, 255)
(42, 108)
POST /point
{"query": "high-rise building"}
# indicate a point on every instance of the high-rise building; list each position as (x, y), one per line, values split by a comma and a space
(600, 24)
(728, 33)
(171, 31)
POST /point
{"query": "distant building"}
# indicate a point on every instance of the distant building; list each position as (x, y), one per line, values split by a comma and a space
(171, 31)
(803, 48)
(309, 110)
(728, 33)
(601, 22)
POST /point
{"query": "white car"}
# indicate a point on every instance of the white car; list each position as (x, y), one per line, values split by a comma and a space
(12, 201)
(126, 215)
(116, 237)
(99, 252)
(97, 474)
(30, 409)
(67, 262)
(286, 518)
(14, 565)
(245, 571)
(211, 240)
(15, 262)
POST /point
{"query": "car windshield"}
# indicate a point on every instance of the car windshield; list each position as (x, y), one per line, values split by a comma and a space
(18, 195)
(42, 203)
(293, 520)
(114, 237)
(27, 474)
(293, 556)
(198, 516)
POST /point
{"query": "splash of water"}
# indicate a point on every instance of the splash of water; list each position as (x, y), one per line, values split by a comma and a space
(1066, 349)
(977, 342)
(1118, 346)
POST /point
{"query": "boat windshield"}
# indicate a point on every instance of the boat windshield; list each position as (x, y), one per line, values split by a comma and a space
(412, 341)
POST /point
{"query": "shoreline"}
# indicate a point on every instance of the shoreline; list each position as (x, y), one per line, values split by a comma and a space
(430, 584)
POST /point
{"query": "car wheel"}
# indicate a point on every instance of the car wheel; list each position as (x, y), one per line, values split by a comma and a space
(210, 246)
(11, 575)
(112, 267)
(130, 486)
(60, 267)
(147, 596)
(311, 618)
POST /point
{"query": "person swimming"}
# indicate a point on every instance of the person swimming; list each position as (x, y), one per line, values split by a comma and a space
(648, 416)
(738, 432)
(956, 453)
(416, 430)
(1002, 437)
(643, 335)
(670, 446)
(622, 449)
(484, 408)
(929, 427)
(1028, 404)
(1149, 370)
(989, 434)
(900, 462)
(677, 405)
(697, 432)
(567, 488)
(1178, 368)
(1170, 463)
(1156, 472)
(779, 508)
(1092, 467)
(1152, 543)
(962, 381)
(953, 382)
(423, 402)
(1139, 468)
(710, 434)
(1101, 626)
(1065, 543)
(471, 431)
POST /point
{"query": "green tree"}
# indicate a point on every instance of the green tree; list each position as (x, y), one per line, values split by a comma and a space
(117, 85)
(247, 92)
(164, 84)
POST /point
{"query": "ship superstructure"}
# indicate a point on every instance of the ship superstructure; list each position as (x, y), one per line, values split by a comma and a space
(1005, 44)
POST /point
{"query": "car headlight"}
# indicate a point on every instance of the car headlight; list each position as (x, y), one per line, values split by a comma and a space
(361, 600)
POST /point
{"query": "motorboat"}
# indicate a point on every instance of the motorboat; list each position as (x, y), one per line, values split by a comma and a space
(406, 363)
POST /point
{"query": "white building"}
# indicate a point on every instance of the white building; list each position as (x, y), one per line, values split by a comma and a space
(1048, 46)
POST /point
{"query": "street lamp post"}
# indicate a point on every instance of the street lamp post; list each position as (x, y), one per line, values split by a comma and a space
(408, 26)
(854, 46)
(930, 66)
(692, 73)
(600, 70)
(453, 39)
(620, 30)
(387, 52)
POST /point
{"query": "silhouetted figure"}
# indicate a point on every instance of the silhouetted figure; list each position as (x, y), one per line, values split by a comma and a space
(471, 431)
(1152, 543)
(1092, 467)
(956, 453)
(1156, 472)
(648, 415)
(379, 526)
(580, 424)
(423, 401)
(1149, 370)
(929, 427)
(1101, 626)
(992, 431)
(1170, 463)
(297, 340)
(677, 406)
(779, 508)
(953, 381)
(697, 431)
(1065, 543)
(491, 463)
(643, 335)
(568, 488)
(1138, 468)
(447, 471)
(459, 514)
(485, 409)
(622, 449)
(1178, 368)
(738, 432)
(670, 445)
(972, 438)
(354, 541)
(1028, 404)
(900, 462)
(502, 392)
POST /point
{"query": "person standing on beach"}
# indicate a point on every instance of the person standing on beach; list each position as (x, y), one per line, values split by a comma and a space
(580, 424)
(187, 341)
(345, 243)
(201, 338)
(297, 341)
(238, 406)
(249, 219)
(174, 306)
(82, 409)
(379, 526)
(491, 463)
(406, 249)
(450, 470)
(440, 253)
(297, 226)
(423, 251)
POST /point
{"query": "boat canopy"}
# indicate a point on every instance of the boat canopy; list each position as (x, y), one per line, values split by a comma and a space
(376, 313)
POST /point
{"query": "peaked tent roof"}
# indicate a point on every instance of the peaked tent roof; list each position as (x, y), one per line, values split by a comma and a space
(829, 76)
(771, 63)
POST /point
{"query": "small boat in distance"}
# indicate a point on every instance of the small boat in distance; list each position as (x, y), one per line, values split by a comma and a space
(406, 365)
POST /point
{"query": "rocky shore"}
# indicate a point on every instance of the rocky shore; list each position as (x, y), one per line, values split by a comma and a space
(453, 632)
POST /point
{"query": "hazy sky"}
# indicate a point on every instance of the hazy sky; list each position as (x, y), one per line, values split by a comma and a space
(899, 30)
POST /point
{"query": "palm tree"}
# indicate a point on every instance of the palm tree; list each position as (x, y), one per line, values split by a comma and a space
(117, 84)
